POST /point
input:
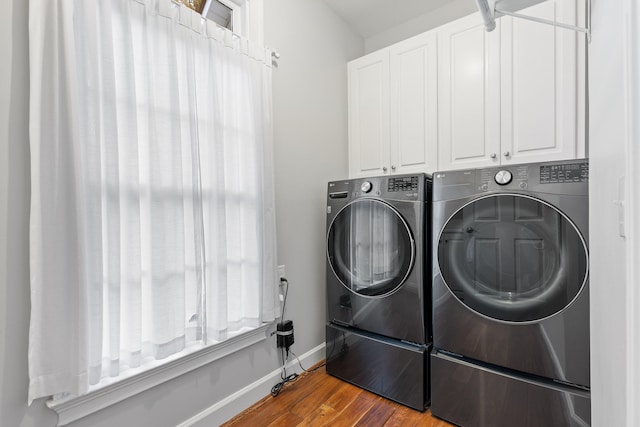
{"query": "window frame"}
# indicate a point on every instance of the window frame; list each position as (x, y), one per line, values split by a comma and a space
(71, 409)
(248, 18)
(237, 10)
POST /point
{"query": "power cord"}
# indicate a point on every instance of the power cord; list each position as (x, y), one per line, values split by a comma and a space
(285, 282)
(275, 390)
(308, 370)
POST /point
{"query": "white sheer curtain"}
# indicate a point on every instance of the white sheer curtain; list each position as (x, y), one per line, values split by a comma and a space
(152, 212)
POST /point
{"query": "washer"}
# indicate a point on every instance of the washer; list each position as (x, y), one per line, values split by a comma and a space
(511, 295)
(378, 301)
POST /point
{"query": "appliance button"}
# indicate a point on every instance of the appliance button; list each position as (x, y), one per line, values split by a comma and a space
(503, 177)
(523, 185)
(366, 187)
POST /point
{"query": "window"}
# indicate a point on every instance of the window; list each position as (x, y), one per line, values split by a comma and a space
(243, 17)
(160, 240)
(221, 12)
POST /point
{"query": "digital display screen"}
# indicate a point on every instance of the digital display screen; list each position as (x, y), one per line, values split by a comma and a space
(566, 173)
(409, 183)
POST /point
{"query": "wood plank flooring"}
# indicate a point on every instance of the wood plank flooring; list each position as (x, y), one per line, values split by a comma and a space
(318, 399)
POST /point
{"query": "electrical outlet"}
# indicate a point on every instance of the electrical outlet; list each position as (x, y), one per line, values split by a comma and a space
(281, 271)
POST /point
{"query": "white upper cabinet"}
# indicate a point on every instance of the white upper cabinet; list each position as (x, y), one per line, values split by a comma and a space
(368, 80)
(393, 109)
(514, 95)
(457, 97)
(540, 99)
(414, 104)
(469, 94)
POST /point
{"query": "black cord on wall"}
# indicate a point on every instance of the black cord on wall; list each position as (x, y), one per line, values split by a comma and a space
(275, 390)
(284, 351)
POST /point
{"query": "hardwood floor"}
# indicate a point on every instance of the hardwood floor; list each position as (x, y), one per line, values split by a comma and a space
(318, 399)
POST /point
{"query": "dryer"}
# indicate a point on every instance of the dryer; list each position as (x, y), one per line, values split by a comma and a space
(511, 295)
(378, 290)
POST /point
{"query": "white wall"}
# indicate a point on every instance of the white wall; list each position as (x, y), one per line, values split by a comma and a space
(310, 113)
(311, 147)
(613, 80)
(14, 199)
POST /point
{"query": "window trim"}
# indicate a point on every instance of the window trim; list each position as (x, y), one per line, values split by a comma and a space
(236, 11)
(74, 408)
(248, 18)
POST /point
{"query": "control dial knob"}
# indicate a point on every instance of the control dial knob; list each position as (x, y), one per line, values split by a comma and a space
(366, 187)
(503, 177)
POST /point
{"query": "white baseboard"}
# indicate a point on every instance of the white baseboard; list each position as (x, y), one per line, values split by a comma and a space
(232, 405)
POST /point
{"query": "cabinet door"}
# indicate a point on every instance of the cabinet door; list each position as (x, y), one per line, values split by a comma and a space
(368, 81)
(468, 94)
(539, 92)
(414, 104)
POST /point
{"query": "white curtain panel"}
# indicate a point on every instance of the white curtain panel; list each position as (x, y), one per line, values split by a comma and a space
(152, 202)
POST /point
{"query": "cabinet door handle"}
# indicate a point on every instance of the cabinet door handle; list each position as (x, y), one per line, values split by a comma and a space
(393, 167)
(506, 154)
(384, 169)
(493, 155)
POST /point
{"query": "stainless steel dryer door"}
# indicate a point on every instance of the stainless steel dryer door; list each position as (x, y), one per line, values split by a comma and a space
(513, 258)
(370, 248)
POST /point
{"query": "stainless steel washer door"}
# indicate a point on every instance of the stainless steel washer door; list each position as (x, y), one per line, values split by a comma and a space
(512, 257)
(370, 248)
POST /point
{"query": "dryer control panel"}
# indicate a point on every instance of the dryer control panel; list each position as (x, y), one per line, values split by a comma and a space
(547, 177)
(565, 173)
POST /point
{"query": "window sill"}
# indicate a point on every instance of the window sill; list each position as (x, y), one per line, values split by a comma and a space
(74, 408)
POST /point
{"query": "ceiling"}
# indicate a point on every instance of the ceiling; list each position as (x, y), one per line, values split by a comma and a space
(371, 17)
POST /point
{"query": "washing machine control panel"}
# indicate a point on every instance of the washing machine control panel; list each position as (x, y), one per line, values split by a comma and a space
(407, 183)
(503, 177)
